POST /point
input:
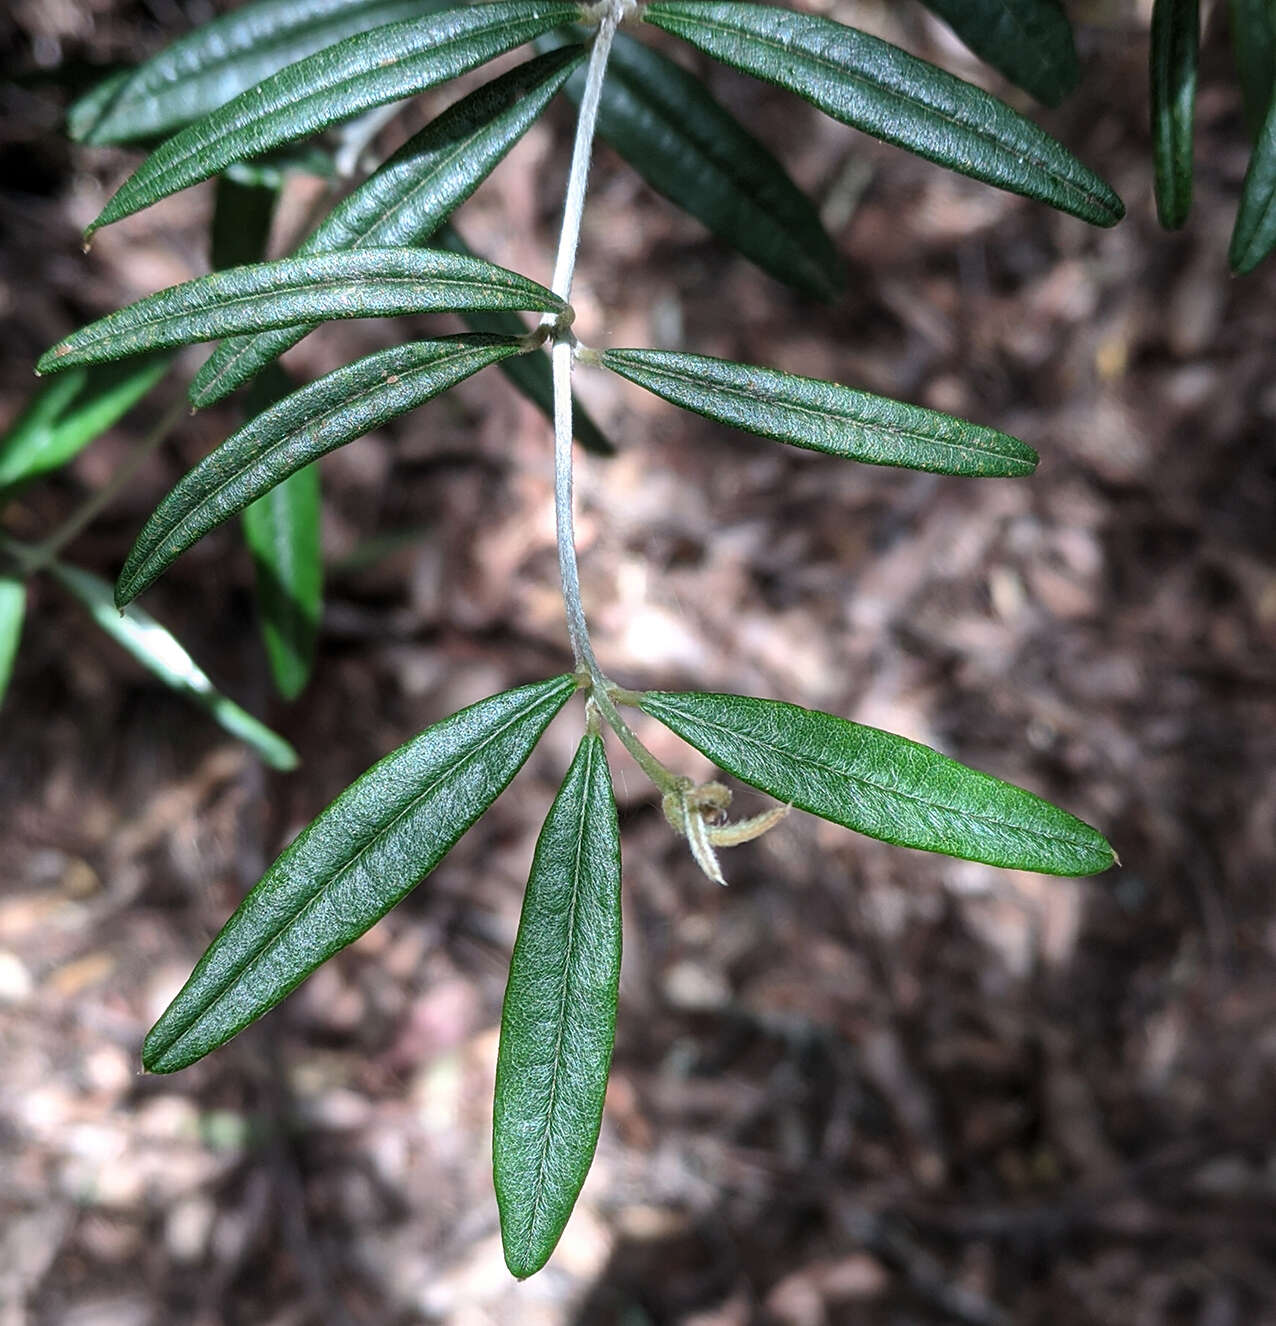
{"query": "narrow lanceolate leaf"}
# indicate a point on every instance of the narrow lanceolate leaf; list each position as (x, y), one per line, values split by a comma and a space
(13, 606)
(408, 198)
(282, 530)
(311, 422)
(157, 650)
(1253, 24)
(364, 283)
(1030, 41)
(823, 416)
(880, 784)
(559, 1018)
(690, 148)
(349, 866)
(221, 59)
(1176, 36)
(69, 413)
(371, 69)
(863, 81)
(1254, 235)
(530, 373)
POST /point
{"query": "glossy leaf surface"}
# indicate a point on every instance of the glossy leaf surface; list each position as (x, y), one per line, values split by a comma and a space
(408, 198)
(874, 86)
(365, 283)
(690, 148)
(1030, 41)
(350, 865)
(282, 530)
(881, 784)
(1253, 24)
(157, 650)
(822, 416)
(1254, 235)
(311, 422)
(1175, 43)
(223, 58)
(371, 69)
(13, 607)
(559, 1018)
(67, 414)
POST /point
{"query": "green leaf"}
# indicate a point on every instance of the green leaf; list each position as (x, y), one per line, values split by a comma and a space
(559, 1018)
(690, 148)
(1030, 41)
(311, 422)
(13, 606)
(882, 785)
(66, 415)
(408, 198)
(160, 653)
(221, 59)
(282, 530)
(350, 865)
(530, 373)
(1253, 24)
(1254, 235)
(872, 85)
(364, 283)
(1176, 39)
(371, 69)
(823, 416)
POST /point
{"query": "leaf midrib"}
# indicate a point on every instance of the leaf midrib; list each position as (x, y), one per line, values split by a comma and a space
(541, 1163)
(441, 51)
(272, 447)
(744, 394)
(364, 239)
(273, 939)
(800, 758)
(302, 286)
(857, 76)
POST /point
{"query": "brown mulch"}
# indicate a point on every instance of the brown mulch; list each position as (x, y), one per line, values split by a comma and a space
(861, 1084)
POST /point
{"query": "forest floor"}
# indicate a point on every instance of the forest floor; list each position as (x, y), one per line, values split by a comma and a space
(861, 1084)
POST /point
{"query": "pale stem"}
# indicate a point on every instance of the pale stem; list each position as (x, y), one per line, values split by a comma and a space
(563, 357)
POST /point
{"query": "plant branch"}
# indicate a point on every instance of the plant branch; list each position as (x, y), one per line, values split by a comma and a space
(563, 354)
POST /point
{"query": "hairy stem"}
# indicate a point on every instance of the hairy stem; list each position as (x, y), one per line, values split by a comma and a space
(563, 357)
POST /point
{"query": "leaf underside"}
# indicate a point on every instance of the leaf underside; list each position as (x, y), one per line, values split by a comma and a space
(368, 70)
(408, 198)
(325, 414)
(1029, 41)
(13, 605)
(1173, 51)
(881, 784)
(364, 283)
(559, 1017)
(282, 533)
(822, 416)
(157, 650)
(350, 865)
(67, 414)
(219, 60)
(874, 86)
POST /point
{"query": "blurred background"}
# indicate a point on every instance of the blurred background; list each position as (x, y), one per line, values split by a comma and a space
(860, 1085)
